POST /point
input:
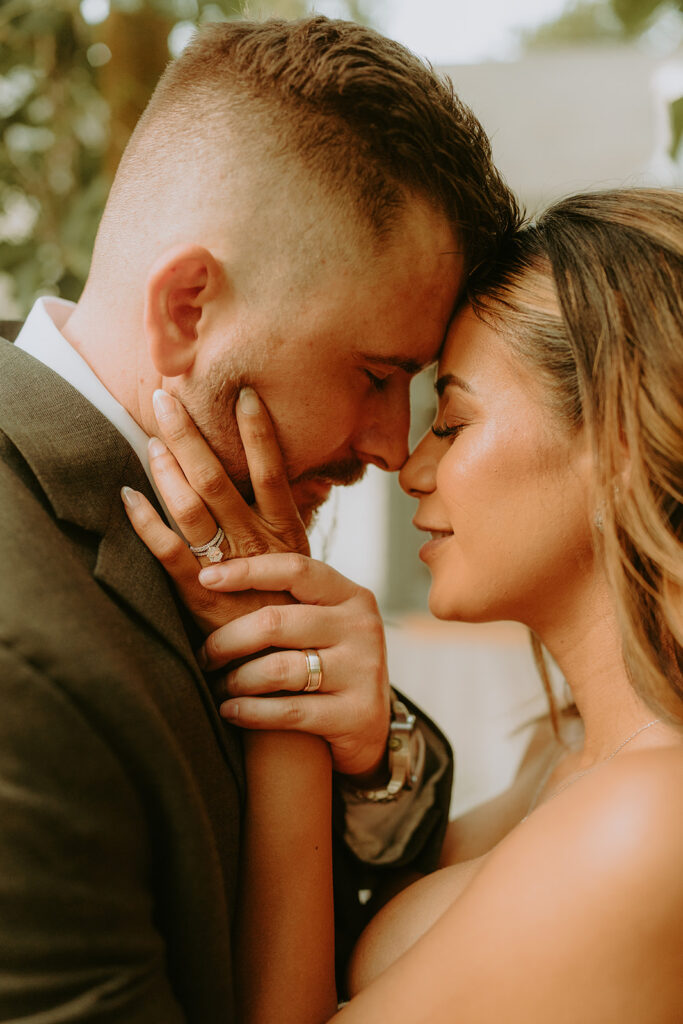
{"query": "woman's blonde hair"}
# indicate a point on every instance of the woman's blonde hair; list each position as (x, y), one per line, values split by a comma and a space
(592, 296)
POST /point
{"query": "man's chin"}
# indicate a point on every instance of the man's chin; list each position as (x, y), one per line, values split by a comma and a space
(312, 489)
(309, 496)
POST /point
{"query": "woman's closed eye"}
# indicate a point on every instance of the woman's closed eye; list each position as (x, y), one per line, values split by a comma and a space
(446, 430)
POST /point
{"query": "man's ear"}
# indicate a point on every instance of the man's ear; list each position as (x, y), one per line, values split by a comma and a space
(179, 285)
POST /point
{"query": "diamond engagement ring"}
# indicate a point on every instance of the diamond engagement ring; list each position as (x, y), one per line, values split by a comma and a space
(314, 669)
(212, 550)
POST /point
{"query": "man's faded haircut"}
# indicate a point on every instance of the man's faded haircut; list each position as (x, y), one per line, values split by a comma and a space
(370, 120)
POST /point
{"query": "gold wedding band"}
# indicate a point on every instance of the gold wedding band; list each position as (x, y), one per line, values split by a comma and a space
(314, 669)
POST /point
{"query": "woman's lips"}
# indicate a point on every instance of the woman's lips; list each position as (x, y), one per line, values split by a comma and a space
(432, 546)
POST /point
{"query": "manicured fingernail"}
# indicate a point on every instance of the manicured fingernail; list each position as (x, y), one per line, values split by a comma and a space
(130, 497)
(165, 405)
(156, 447)
(201, 658)
(230, 710)
(209, 575)
(249, 403)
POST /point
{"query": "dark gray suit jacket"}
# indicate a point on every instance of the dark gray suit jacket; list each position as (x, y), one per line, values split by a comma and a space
(121, 789)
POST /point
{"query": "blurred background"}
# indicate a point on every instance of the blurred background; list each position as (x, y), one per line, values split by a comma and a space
(575, 95)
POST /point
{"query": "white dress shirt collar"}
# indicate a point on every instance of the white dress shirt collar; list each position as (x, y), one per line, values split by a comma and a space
(41, 337)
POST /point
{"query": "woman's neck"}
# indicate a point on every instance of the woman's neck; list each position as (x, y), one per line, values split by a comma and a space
(585, 642)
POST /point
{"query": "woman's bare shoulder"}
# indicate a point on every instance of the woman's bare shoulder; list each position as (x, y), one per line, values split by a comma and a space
(621, 825)
(630, 805)
(575, 915)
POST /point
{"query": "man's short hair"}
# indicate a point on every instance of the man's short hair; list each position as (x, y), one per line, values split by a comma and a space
(370, 120)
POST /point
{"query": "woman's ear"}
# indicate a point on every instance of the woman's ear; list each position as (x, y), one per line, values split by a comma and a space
(179, 285)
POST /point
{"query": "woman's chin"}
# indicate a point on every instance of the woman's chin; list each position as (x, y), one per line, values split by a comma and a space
(442, 608)
(448, 609)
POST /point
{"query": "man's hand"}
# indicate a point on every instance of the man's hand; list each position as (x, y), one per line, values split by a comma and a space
(200, 496)
(337, 618)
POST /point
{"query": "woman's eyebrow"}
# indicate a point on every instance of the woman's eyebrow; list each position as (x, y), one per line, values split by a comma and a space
(449, 379)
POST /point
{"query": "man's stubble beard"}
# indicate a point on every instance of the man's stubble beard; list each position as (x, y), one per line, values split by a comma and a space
(212, 408)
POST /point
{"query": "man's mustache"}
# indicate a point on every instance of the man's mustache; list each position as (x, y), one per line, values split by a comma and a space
(340, 474)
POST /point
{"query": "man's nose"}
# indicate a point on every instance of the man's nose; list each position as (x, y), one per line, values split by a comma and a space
(382, 439)
(418, 475)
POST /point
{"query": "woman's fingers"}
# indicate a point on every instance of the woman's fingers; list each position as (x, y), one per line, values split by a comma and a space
(210, 609)
(290, 627)
(274, 524)
(201, 468)
(197, 523)
(165, 545)
(267, 469)
(306, 579)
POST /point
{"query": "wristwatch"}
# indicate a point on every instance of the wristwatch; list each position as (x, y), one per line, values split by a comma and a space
(406, 753)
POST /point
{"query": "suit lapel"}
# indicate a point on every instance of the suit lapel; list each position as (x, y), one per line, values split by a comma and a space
(81, 462)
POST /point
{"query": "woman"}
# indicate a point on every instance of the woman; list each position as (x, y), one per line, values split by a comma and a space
(551, 483)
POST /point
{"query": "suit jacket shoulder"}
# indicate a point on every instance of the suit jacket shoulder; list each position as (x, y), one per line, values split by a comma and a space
(9, 329)
(120, 787)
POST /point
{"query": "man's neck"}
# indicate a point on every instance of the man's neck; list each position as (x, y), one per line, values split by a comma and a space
(113, 348)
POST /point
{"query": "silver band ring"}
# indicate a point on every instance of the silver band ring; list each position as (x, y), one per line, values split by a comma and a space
(314, 669)
(212, 550)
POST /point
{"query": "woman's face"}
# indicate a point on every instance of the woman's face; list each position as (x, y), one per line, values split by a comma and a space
(504, 492)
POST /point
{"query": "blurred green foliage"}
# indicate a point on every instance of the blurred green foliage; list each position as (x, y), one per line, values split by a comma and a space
(75, 76)
(588, 21)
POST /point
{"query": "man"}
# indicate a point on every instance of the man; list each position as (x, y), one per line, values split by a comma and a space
(296, 212)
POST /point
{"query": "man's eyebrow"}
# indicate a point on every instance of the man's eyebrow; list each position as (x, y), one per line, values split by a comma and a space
(411, 366)
(452, 379)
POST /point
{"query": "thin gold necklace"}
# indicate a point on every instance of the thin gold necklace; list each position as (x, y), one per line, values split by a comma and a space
(579, 775)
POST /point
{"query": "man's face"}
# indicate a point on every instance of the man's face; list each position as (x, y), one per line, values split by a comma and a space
(331, 352)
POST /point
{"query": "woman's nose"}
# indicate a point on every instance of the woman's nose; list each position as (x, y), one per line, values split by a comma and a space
(418, 473)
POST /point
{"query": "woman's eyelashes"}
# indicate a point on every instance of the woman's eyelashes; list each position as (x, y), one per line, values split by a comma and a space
(447, 431)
